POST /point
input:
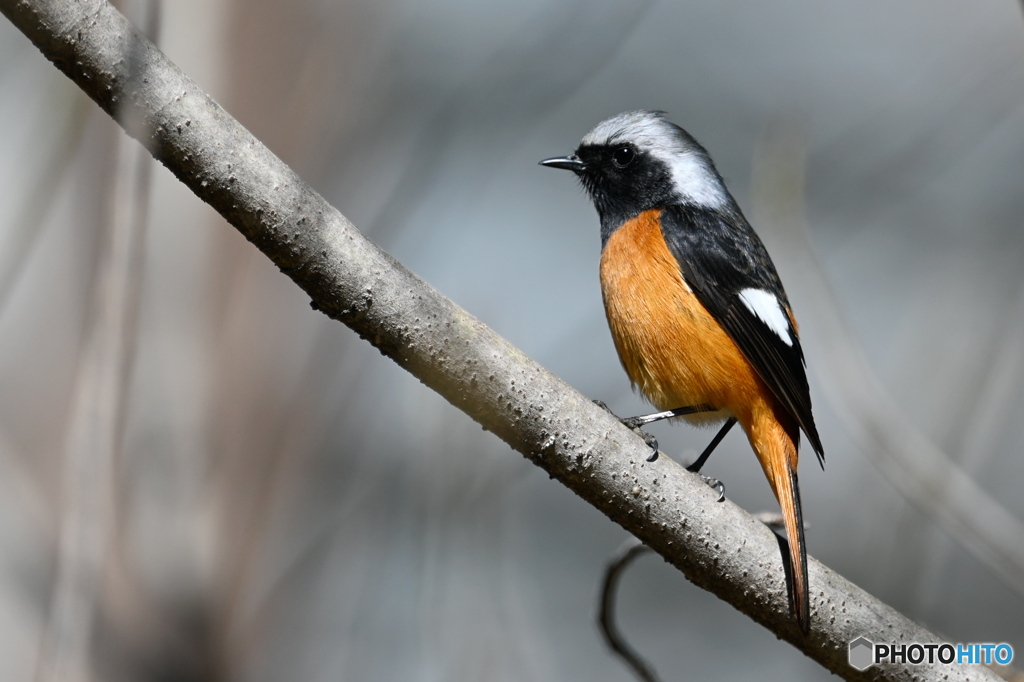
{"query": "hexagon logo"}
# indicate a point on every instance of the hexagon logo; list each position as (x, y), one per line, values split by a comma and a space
(862, 653)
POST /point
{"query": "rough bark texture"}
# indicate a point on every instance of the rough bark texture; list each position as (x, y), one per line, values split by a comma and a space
(718, 546)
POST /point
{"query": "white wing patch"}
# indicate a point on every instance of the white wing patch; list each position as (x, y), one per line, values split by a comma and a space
(766, 306)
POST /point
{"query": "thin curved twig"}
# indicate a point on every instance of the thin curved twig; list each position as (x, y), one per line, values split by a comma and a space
(629, 551)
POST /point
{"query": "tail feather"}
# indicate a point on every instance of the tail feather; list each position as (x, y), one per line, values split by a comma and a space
(788, 491)
(774, 438)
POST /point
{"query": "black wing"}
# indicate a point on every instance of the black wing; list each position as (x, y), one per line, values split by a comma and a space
(721, 256)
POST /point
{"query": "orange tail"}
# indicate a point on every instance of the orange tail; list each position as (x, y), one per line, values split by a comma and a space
(776, 448)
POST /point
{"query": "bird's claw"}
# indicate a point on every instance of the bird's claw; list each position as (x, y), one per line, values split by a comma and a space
(651, 441)
(715, 485)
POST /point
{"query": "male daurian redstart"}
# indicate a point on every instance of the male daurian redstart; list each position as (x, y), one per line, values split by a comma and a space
(699, 317)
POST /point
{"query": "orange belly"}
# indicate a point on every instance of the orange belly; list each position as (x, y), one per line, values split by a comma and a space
(671, 347)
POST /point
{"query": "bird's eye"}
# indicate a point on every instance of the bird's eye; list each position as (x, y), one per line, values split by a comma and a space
(623, 156)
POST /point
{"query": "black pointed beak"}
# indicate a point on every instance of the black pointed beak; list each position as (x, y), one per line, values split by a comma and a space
(572, 163)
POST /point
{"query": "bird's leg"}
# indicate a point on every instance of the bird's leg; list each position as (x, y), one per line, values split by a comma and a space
(695, 467)
(729, 423)
(645, 419)
(634, 423)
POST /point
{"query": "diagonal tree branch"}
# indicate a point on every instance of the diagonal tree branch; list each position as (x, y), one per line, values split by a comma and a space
(717, 546)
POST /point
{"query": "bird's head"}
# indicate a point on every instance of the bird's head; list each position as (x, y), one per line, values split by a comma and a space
(638, 161)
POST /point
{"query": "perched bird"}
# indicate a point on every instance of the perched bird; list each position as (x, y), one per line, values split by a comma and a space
(699, 317)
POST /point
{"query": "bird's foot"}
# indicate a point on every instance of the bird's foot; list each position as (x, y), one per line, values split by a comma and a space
(633, 424)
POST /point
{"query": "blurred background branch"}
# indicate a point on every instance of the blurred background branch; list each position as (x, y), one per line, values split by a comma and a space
(93, 459)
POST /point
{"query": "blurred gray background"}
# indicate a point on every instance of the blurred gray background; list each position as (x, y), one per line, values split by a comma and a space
(276, 501)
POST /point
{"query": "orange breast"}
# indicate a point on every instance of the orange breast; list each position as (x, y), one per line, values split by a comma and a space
(671, 347)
